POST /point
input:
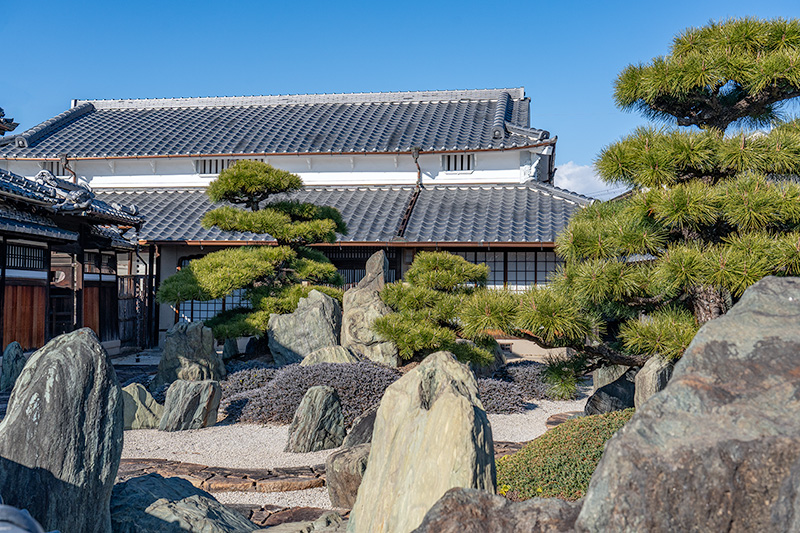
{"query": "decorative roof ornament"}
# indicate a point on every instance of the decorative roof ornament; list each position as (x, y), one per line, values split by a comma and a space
(6, 124)
(72, 196)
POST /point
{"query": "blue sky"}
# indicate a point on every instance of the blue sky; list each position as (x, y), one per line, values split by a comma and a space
(566, 54)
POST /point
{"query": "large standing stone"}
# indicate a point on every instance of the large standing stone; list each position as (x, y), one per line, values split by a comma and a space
(431, 434)
(189, 354)
(153, 504)
(715, 450)
(607, 374)
(13, 363)
(330, 354)
(230, 349)
(344, 470)
(61, 439)
(141, 410)
(477, 511)
(652, 378)
(318, 423)
(190, 405)
(615, 396)
(315, 324)
(362, 305)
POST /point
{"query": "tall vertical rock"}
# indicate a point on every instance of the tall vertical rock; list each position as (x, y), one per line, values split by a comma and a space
(189, 354)
(431, 434)
(13, 363)
(61, 439)
(315, 324)
(318, 423)
(361, 306)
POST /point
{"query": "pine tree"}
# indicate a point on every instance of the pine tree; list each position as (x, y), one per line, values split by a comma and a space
(710, 211)
(274, 277)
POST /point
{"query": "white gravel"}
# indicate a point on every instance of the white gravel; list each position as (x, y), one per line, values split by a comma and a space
(530, 424)
(295, 498)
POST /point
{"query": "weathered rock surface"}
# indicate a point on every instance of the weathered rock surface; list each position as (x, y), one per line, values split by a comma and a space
(315, 324)
(153, 504)
(615, 396)
(716, 449)
(344, 470)
(61, 439)
(330, 522)
(607, 374)
(431, 434)
(330, 354)
(477, 511)
(190, 405)
(318, 423)
(362, 305)
(13, 363)
(230, 349)
(361, 432)
(652, 378)
(141, 411)
(189, 355)
(487, 371)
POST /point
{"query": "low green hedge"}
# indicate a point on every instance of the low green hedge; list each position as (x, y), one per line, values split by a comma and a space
(560, 463)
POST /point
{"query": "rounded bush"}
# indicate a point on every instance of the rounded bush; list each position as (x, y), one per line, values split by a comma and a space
(528, 376)
(245, 380)
(500, 397)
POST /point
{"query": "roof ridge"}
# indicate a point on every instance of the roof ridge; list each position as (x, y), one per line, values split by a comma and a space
(26, 138)
(517, 93)
(570, 195)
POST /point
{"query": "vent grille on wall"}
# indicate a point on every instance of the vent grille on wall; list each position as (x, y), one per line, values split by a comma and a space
(217, 165)
(458, 162)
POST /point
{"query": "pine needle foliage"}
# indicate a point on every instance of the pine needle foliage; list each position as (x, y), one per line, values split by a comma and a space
(274, 278)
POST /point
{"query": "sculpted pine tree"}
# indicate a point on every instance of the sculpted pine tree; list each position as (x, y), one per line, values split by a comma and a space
(713, 208)
(274, 277)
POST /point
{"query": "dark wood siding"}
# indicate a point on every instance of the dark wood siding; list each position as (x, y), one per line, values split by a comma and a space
(24, 315)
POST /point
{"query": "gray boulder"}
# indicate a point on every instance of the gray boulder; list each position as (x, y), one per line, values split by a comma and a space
(361, 431)
(330, 354)
(61, 438)
(188, 354)
(141, 411)
(318, 423)
(329, 522)
(315, 324)
(615, 396)
(13, 363)
(607, 374)
(477, 511)
(431, 434)
(652, 378)
(190, 405)
(344, 470)
(361, 306)
(153, 504)
(718, 448)
(230, 349)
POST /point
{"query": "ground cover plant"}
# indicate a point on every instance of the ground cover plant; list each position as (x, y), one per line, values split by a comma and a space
(560, 463)
(500, 397)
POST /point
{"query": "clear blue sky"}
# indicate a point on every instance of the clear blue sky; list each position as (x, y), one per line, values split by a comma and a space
(566, 54)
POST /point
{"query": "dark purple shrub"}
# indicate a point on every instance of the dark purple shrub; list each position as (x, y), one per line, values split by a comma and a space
(528, 376)
(245, 380)
(500, 397)
(237, 366)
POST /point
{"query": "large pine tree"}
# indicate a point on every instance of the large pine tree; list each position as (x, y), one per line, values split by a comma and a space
(274, 277)
(712, 208)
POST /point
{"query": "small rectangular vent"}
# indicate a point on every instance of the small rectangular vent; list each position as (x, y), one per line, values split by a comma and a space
(23, 257)
(458, 162)
(217, 165)
(55, 168)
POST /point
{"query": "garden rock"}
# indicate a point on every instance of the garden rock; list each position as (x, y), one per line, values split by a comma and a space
(607, 374)
(61, 438)
(329, 522)
(652, 378)
(344, 470)
(141, 411)
(318, 423)
(476, 511)
(361, 431)
(188, 354)
(190, 405)
(13, 363)
(718, 448)
(230, 349)
(315, 324)
(615, 396)
(431, 434)
(362, 305)
(153, 504)
(330, 354)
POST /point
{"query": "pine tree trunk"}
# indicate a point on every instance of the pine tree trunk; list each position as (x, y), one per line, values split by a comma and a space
(708, 303)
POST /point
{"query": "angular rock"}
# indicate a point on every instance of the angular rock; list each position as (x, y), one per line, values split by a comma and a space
(715, 450)
(153, 504)
(315, 324)
(190, 405)
(230, 349)
(13, 363)
(607, 374)
(652, 378)
(615, 396)
(188, 354)
(141, 411)
(329, 522)
(431, 434)
(361, 306)
(318, 423)
(330, 354)
(477, 511)
(361, 431)
(61, 438)
(344, 470)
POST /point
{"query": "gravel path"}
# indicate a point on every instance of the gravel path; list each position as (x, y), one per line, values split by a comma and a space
(296, 498)
(527, 426)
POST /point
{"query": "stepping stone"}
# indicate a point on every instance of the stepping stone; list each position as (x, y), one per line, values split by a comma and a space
(560, 418)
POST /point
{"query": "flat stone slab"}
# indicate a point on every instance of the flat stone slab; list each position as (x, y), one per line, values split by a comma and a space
(560, 418)
(272, 515)
(503, 448)
(216, 479)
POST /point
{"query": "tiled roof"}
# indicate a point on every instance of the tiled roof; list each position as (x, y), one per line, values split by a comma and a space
(335, 123)
(15, 221)
(529, 212)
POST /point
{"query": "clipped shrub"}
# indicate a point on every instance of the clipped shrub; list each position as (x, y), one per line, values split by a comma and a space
(500, 397)
(245, 380)
(236, 366)
(560, 463)
(359, 385)
(528, 376)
